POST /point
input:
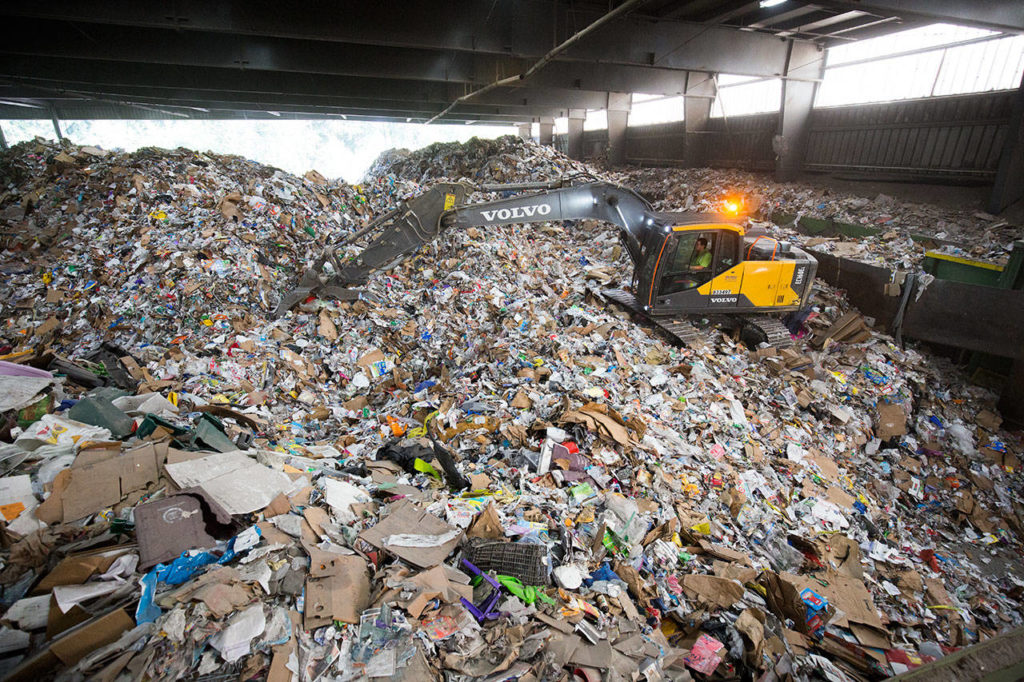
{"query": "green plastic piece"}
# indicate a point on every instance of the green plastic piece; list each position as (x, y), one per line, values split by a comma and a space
(527, 593)
(99, 411)
(210, 433)
(426, 468)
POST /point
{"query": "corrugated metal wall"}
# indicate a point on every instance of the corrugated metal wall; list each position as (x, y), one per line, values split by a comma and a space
(741, 142)
(949, 137)
(595, 143)
(942, 136)
(656, 142)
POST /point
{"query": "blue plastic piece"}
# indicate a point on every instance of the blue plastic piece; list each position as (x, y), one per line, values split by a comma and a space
(175, 573)
(604, 572)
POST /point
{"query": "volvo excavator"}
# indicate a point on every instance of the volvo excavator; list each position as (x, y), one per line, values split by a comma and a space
(687, 267)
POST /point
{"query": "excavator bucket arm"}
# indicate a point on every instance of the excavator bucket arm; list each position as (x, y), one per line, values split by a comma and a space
(392, 236)
(419, 220)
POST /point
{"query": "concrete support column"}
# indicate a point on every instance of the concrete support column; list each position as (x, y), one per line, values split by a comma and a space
(618, 118)
(525, 131)
(805, 67)
(3, 140)
(575, 133)
(1008, 187)
(547, 130)
(699, 95)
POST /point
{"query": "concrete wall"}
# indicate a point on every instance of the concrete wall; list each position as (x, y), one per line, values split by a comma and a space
(942, 137)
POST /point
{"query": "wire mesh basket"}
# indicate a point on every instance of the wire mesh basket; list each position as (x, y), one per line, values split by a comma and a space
(527, 561)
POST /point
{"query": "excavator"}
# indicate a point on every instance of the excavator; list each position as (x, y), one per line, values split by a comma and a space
(689, 269)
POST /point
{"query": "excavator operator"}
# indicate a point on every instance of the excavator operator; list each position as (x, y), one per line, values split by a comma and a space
(701, 259)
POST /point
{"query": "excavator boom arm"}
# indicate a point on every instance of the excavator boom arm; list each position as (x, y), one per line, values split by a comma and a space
(596, 201)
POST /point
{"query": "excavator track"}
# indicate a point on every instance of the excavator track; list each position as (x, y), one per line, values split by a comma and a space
(758, 329)
(754, 330)
(680, 329)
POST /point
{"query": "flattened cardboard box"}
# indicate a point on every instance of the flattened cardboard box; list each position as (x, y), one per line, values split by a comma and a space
(342, 594)
(406, 517)
(99, 479)
(78, 568)
(891, 421)
(236, 481)
(70, 648)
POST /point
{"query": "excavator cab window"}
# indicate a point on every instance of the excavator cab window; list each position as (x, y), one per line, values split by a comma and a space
(691, 262)
(727, 253)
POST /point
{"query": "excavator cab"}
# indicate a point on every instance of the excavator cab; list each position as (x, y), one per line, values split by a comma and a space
(703, 263)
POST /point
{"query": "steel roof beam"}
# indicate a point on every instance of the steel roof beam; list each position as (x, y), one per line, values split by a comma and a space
(524, 28)
(994, 15)
(632, 41)
(76, 109)
(154, 80)
(344, 106)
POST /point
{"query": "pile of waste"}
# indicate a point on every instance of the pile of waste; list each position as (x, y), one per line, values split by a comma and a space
(483, 473)
(502, 160)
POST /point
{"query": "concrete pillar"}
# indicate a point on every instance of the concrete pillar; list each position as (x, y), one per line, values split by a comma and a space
(1008, 187)
(575, 133)
(618, 118)
(699, 95)
(547, 130)
(525, 131)
(3, 140)
(805, 67)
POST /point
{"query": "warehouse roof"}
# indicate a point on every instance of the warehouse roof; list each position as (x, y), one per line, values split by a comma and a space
(257, 59)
